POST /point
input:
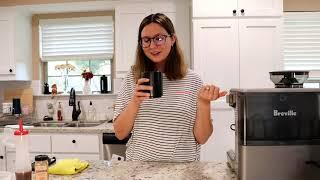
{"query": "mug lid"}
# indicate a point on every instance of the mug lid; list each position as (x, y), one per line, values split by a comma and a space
(41, 158)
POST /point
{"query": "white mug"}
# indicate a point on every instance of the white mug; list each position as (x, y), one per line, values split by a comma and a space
(7, 108)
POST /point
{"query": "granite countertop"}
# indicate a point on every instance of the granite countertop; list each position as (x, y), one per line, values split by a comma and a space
(102, 128)
(126, 170)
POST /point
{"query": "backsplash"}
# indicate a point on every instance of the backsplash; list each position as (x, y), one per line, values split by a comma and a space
(103, 104)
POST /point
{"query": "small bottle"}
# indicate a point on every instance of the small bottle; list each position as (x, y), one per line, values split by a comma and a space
(22, 163)
(91, 116)
(59, 112)
(41, 167)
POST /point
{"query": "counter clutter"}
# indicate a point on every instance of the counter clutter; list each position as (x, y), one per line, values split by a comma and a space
(126, 170)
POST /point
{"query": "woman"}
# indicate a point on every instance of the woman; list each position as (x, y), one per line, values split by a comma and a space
(172, 127)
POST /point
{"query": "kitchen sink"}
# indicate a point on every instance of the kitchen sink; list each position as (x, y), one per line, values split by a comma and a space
(50, 124)
(67, 124)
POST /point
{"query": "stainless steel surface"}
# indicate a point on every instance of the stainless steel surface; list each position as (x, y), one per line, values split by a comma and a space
(275, 90)
(111, 145)
(3, 123)
(110, 149)
(279, 162)
(269, 146)
(290, 79)
(66, 124)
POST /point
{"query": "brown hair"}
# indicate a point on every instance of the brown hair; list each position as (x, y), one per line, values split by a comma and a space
(175, 67)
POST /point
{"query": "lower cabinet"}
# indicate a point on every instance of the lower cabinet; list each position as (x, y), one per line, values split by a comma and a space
(222, 139)
(2, 159)
(60, 146)
(85, 147)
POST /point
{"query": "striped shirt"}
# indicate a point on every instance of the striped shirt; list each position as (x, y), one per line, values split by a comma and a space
(163, 128)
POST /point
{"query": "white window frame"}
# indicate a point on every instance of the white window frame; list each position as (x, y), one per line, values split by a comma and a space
(301, 38)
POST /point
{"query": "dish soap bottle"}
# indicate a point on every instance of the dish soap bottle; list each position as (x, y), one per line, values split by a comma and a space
(22, 163)
(59, 112)
(91, 116)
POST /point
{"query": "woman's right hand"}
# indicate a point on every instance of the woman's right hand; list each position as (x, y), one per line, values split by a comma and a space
(139, 95)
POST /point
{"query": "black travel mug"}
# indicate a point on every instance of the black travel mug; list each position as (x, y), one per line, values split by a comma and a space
(155, 80)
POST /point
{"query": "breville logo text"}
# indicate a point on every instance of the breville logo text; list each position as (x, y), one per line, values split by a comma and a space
(286, 113)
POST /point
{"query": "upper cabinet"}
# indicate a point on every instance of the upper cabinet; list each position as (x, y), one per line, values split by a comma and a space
(127, 20)
(15, 46)
(229, 8)
(7, 45)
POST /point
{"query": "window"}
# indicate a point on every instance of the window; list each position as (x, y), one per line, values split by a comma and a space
(84, 43)
(301, 38)
(67, 79)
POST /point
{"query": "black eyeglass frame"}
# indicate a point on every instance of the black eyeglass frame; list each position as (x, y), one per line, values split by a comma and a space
(154, 41)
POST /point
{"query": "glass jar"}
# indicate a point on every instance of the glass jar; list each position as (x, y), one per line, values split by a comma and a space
(41, 167)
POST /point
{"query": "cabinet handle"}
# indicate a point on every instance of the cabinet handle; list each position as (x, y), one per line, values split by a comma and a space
(73, 141)
(242, 11)
(234, 11)
(10, 70)
(1, 157)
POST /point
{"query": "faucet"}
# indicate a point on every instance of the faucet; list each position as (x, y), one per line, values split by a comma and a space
(72, 102)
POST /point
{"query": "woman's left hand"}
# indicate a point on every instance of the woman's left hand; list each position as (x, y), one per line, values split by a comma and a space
(209, 93)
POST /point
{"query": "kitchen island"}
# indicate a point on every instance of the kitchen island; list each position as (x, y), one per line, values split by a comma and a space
(126, 170)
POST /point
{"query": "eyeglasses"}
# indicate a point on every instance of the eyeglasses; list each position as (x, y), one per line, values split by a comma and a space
(158, 40)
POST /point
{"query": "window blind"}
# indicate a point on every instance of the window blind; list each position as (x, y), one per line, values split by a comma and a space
(301, 38)
(84, 38)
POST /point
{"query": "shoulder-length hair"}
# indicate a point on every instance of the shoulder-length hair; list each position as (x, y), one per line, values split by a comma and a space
(175, 67)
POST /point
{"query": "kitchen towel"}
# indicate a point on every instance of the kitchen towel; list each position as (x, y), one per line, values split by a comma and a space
(68, 167)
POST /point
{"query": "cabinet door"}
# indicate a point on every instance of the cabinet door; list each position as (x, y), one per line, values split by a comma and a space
(222, 138)
(75, 143)
(2, 159)
(260, 7)
(216, 51)
(6, 47)
(260, 51)
(127, 21)
(213, 8)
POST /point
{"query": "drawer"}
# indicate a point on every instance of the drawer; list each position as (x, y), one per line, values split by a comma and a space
(75, 143)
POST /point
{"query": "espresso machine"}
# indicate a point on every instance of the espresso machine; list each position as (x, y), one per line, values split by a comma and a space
(277, 130)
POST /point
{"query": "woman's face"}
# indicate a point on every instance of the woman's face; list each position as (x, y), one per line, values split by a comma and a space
(156, 42)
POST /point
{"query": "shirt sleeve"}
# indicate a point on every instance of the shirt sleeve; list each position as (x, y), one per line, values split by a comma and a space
(124, 94)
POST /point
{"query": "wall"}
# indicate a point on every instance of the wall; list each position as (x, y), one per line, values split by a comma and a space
(28, 2)
(299, 5)
(102, 103)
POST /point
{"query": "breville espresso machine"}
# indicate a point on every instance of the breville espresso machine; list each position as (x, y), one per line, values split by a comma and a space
(277, 130)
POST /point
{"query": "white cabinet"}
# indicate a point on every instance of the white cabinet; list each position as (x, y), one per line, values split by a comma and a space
(127, 21)
(228, 8)
(86, 147)
(7, 45)
(235, 53)
(75, 143)
(222, 138)
(216, 51)
(15, 45)
(2, 159)
(260, 51)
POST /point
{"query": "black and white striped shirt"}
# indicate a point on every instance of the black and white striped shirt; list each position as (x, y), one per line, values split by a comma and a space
(163, 128)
